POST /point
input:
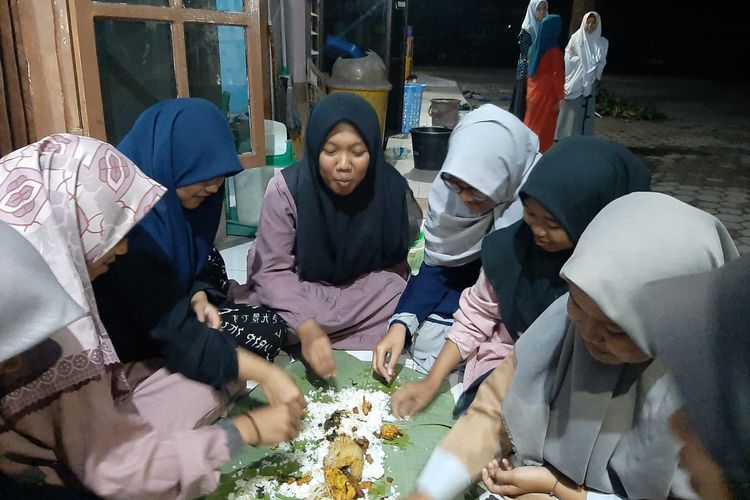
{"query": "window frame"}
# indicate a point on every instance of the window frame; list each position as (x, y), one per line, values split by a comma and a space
(92, 110)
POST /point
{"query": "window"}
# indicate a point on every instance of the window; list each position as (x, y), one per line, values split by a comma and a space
(134, 53)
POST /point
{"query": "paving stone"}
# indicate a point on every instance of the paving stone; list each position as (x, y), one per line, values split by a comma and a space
(745, 232)
(732, 226)
(707, 204)
(736, 197)
(685, 198)
(725, 217)
(743, 249)
(709, 197)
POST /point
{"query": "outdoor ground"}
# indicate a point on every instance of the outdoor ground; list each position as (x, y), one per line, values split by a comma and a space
(700, 153)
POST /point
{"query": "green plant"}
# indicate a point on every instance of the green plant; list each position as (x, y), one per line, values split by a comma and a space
(608, 104)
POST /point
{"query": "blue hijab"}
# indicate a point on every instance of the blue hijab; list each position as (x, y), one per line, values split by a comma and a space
(548, 38)
(179, 142)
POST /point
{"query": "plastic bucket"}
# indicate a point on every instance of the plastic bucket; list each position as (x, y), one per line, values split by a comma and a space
(444, 112)
(430, 146)
(378, 99)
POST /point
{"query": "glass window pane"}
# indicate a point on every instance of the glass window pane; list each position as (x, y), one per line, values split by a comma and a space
(136, 70)
(217, 71)
(220, 5)
(156, 3)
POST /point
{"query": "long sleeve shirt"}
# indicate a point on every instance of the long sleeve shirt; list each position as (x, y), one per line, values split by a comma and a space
(354, 315)
(478, 330)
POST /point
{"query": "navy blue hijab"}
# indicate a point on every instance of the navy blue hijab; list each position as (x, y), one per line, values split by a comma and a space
(342, 237)
(179, 142)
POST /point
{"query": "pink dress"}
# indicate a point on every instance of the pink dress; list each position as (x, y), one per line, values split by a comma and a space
(478, 330)
(149, 446)
(354, 315)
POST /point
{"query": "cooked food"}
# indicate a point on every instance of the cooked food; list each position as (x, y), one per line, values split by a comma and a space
(389, 432)
(345, 454)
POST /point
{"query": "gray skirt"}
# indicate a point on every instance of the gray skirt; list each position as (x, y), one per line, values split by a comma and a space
(576, 117)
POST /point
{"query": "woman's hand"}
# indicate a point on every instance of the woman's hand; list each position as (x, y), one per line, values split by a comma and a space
(504, 479)
(205, 311)
(280, 388)
(269, 425)
(413, 397)
(392, 343)
(316, 349)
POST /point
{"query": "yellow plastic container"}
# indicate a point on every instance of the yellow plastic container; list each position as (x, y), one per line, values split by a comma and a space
(378, 99)
(365, 76)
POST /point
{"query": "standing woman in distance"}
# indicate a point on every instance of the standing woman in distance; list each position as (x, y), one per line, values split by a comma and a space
(585, 58)
(545, 84)
(535, 12)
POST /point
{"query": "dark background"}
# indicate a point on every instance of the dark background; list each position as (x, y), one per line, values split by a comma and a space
(702, 39)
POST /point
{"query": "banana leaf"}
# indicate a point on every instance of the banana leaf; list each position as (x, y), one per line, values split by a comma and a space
(404, 459)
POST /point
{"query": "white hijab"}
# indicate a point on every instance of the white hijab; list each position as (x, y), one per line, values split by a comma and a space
(606, 426)
(530, 23)
(494, 152)
(585, 58)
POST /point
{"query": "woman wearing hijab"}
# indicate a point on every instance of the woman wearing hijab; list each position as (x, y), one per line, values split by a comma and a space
(582, 398)
(490, 155)
(545, 82)
(585, 58)
(333, 235)
(72, 414)
(535, 12)
(521, 264)
(157, 300)
(698, 326)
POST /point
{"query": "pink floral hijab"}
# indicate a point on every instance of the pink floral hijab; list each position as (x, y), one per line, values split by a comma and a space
(73, 198)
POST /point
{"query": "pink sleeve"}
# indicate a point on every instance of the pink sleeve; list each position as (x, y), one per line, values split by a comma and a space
(271, 261)
(477, 319)
(115, 451)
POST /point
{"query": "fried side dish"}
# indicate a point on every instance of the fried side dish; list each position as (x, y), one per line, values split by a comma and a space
(366, 406)
(345, 453)
(340, 485)
(389, 432)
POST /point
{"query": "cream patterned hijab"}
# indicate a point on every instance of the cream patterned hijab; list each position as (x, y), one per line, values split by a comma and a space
(494, 152)
(606, 426)
(73, 198)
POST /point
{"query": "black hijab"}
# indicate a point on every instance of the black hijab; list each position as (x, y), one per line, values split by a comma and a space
(573, 181)
(698, 325)
(342, 237)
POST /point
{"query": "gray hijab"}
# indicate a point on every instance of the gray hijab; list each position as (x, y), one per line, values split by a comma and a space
(494, 152)
(698, 325)
(606, 426)
(33, 305)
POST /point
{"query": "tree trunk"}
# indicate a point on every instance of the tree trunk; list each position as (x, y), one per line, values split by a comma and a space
(580, 7)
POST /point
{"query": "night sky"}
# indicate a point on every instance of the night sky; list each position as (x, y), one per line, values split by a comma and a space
(646, 36)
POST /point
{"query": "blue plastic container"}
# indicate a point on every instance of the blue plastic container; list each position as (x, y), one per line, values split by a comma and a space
(412, 106)
(342, 45)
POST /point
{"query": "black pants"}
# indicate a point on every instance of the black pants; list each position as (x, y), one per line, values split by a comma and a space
(256, 328)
